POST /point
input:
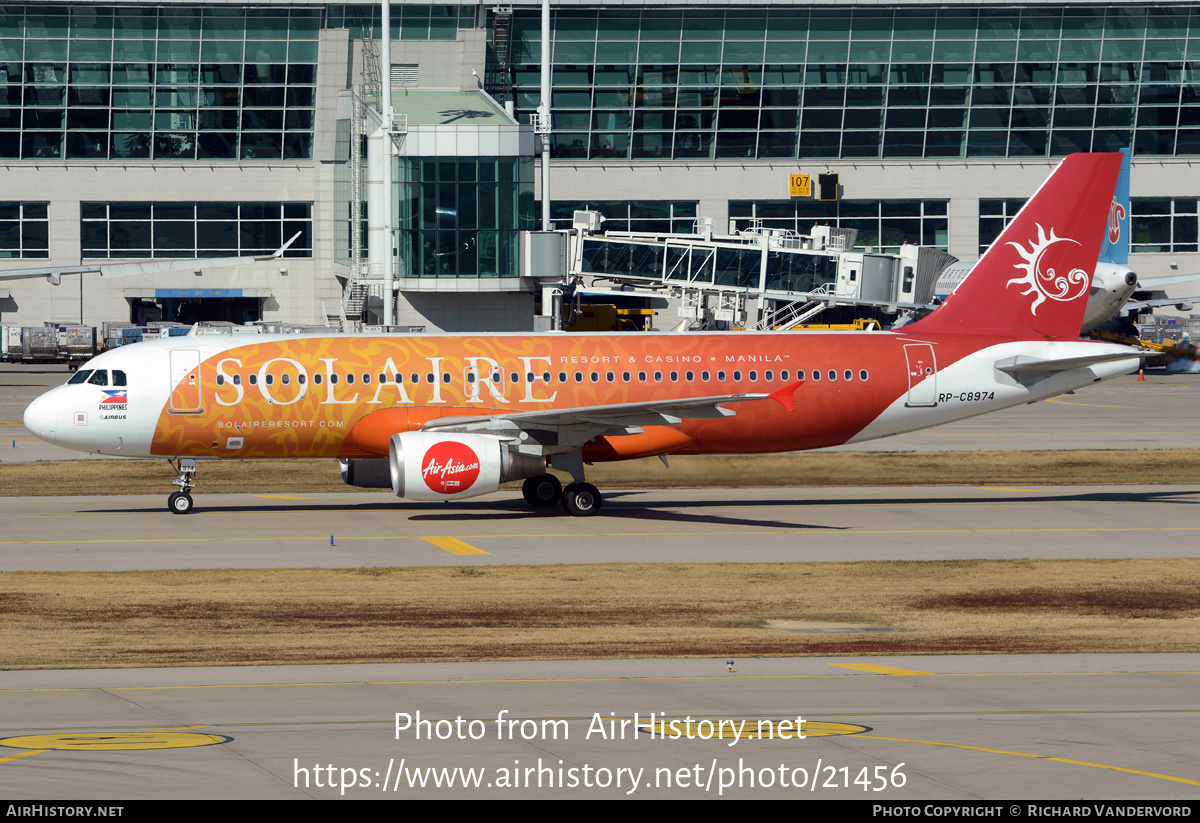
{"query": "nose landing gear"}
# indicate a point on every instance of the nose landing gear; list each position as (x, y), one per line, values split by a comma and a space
(180, 502)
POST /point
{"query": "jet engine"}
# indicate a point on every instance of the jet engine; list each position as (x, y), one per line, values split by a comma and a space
(432, 466)
(369, 473)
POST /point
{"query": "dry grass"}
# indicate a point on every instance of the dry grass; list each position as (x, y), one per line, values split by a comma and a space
(1082, 467)
(172, 618)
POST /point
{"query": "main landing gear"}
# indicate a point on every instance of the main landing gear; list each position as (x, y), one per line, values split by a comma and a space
(542, 491)
(579, 499)
(180, 502)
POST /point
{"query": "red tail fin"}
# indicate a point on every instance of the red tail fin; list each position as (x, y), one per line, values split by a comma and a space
(1035, 279)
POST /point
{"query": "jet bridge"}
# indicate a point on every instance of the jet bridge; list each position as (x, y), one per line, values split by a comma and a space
(756, 279)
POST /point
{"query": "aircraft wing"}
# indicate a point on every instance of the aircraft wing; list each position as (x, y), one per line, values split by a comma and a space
(1037, 368)
(1181, 303)
(573, 427)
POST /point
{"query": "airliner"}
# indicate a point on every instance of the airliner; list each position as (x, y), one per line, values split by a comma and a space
(446, 417)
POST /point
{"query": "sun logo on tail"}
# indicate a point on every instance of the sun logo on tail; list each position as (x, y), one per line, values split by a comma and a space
(1045, 282)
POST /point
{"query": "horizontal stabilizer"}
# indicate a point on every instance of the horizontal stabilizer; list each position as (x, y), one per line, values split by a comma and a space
(1031, 367)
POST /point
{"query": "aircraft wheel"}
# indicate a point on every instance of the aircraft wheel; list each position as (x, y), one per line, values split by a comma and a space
(581, 500)
(542, 491)
(179, 503)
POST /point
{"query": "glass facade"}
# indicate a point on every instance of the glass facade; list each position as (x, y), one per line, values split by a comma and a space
(408, 22)
(460, 217)
(24, 230)
(884, 225)
(719, 82)
(194, 229)
(168, 82)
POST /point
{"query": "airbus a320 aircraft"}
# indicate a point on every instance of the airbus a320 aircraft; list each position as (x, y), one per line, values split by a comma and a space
(452, 416)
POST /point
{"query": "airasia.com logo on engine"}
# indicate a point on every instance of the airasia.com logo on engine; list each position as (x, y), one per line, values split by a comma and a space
(450, 467)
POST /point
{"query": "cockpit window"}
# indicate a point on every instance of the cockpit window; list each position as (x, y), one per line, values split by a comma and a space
(99, 378)
(118, 377)
(80, 377)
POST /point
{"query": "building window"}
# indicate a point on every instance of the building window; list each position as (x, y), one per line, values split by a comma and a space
(644, 216)
(24, 230)
(884, 225)
(146, 82)
(1163, 224)
(163, 229)
(994, 217)
(460, 217)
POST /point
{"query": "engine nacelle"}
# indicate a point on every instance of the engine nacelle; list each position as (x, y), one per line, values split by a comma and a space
(431, 466)
(368, 473)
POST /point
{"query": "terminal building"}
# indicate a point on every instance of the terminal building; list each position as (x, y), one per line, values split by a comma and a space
(180, 133)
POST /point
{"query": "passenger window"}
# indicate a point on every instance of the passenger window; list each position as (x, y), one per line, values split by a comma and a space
(862, 375)
(770, 376)
(516, 378)
(610, 377)
(848, 374)
(350, 379)
(674, 377)
(658, 377)
(237, 379)
(118, 377)
(704, 376)
(832, 374)
(80, 376)
(301, 379)
(416, 378)
(254, 380)
(816, 375)
(737, 376)
(753, 376)
(546, 377)
(220, 380)
(99, 378)
(642, 376)
(366, 379)
(270, 380)
(691, 376)
(382, 378)
(721, 376)
(333, 379)
(287, 379)
(317, 379)
(626, 376)
(446, 377)
(562, 377)
(529, 377)
(595, 377)
(783, 375)
(578, 377)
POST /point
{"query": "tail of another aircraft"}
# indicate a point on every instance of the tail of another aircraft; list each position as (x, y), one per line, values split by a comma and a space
(1115, 248)
(1034, 280)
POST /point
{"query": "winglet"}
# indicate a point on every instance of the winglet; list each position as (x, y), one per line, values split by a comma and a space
(784, 396)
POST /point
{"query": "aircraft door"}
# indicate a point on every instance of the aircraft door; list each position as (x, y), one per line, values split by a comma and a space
(922, 374)
(186, 396)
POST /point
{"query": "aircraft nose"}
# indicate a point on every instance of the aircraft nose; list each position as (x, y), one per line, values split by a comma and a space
(40, 417)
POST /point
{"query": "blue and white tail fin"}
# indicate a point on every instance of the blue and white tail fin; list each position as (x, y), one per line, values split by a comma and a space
(1115, 248)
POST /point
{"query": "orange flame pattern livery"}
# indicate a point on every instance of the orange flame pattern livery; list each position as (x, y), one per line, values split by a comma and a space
(280, 397)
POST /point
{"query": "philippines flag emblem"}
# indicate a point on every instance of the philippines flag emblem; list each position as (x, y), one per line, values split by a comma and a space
(114, 396)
